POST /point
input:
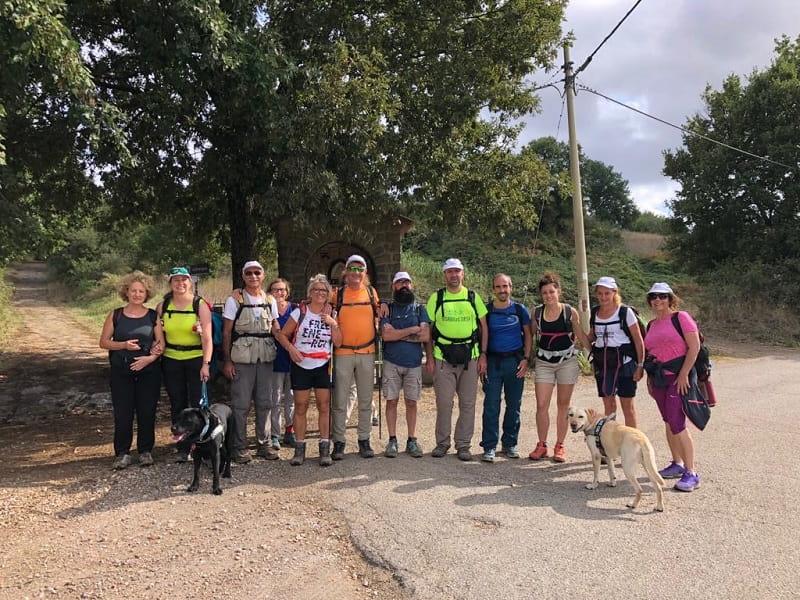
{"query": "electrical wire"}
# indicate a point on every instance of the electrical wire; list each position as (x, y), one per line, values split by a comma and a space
(605, 39)
(685, 130)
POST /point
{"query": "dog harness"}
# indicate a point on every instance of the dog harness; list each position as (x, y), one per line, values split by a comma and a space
(595, 431)
(217, 431)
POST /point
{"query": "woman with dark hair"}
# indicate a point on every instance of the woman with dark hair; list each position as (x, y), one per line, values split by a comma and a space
(134, 340)
(670, 363)
(555, 326)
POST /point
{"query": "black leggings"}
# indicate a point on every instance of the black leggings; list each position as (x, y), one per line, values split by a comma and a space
(134, 393)
(182, 380)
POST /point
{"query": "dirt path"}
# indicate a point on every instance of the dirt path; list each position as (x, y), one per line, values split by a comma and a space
(74, 529)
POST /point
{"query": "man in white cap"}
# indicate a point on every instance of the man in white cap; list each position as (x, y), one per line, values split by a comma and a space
(405, 330)
(459, 341)
(248, 345)
(356, 305)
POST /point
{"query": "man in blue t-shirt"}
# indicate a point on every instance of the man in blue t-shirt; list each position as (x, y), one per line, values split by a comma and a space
(509, 351)
(404, 330)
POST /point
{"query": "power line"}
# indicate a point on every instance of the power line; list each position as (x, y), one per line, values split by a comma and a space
(605, 39)
(684, 129)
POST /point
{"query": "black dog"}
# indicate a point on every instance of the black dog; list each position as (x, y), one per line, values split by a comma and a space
(210, 431)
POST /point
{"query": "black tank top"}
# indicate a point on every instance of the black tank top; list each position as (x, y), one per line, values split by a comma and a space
(130, 328)
(554, 343)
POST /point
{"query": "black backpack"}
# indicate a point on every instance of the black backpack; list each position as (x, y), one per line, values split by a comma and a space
(702, 364)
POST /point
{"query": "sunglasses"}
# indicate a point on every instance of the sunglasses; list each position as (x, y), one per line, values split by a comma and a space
(276, 290)
(252, 273)
(357, 269)
(659, 296)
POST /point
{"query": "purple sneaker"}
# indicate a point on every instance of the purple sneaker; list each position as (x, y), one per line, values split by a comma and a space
(689, 482)
(672, 471)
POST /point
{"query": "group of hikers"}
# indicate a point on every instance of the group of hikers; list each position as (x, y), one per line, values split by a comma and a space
(275, 352)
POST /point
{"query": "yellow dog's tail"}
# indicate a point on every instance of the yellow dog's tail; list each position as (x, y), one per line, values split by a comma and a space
(649, 463)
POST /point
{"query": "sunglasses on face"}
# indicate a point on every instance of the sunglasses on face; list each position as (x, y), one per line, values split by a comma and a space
(356, 269)
(252, 273)
(658, 296)
(276, 290)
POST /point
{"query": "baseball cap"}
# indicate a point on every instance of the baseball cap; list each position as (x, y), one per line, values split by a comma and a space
(251, 263)
(355, 258)
(607, 282)
(661, 288)
(452, 263)
(400, 275)
(179, 272)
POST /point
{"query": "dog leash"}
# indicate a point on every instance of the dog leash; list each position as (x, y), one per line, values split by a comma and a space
(204, 395)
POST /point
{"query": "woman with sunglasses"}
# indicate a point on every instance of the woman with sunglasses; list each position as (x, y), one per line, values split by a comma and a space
(670, 359)
(308, 337)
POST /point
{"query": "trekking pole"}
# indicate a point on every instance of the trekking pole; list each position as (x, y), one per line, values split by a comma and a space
(379, 370)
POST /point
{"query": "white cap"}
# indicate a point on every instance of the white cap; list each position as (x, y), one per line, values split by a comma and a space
(452, 263)
(400, 276)
(661, 288)
(355, 258)
(251, 263)
(607, 282)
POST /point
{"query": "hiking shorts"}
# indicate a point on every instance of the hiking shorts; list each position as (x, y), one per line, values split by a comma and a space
(566, 372)
(407, 379)
(669, 403)
(612, 383)
(306, 379)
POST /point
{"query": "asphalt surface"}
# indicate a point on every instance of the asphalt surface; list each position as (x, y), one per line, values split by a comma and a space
(522, 529)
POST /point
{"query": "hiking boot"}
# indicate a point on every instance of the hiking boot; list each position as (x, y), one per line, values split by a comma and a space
(487, 456)
(243, 457)
(338, 451)
(268, 452)
(413, 448)
(325, 459)
(688, 482)
(391, 449)
(559, 453)
(121, 462)
(182, 457)
(289, 440)
(299, 454)
(464, 454)
(539, 452)
(440, 451)
(672, 471)
(374, 421)
(276, 442)
(364, 449)
(510, 451)
(145, 459)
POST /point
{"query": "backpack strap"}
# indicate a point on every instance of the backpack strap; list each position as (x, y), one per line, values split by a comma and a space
(676, 323)
(623, 321)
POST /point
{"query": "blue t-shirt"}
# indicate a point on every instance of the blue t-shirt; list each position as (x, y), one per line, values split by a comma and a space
(403, 353)
(505, 334)
(282, 361)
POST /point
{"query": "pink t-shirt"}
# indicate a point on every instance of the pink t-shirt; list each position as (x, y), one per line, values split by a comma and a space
(664, 342)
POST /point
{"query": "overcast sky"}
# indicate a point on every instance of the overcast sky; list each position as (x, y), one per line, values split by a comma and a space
(659, 61)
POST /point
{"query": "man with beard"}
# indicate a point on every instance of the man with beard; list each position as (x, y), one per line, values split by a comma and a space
(459, 340)
(405, 330)
(509, 351)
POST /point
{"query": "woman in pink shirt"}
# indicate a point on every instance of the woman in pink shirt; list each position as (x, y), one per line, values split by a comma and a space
(669, 363)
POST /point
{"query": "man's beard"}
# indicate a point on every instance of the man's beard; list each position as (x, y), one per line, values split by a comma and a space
(403, 296)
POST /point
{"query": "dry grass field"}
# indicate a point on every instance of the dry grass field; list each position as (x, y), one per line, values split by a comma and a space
(644, 245)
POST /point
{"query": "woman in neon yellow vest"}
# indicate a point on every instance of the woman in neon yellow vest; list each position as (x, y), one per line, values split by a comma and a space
(186, 321)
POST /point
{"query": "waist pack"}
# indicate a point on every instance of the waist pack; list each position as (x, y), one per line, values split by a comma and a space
(456, 354)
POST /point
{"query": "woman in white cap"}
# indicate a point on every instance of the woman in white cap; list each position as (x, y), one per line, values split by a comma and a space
(670, 357)
(186, 321)
(618, 353)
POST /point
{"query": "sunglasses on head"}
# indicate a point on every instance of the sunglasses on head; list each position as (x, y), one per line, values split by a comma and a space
(659, 296)
(356, 269)
(249, 273)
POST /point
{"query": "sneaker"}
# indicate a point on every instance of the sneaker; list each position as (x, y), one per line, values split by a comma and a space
(688, 482)
(121, 462)
(289, 440)
(276, 442)
(510, 451)
(374, 421)
(539, 452)
(145, 459)
(391, 449)
(325, 459)
(487, 456)
(559, 453)
(182, 457)
(364, 449)
(672, 471)
(413, 448)
(440, 451)
(243, 457)
(338, 451)
(464, 454)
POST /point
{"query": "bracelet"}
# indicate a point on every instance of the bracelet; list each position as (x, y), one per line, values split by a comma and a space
(640, 365)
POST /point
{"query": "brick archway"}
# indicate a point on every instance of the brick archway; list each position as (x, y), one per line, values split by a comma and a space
(329, 259)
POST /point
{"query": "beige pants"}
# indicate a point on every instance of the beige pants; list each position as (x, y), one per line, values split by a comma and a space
(447, 382)
(361, 368)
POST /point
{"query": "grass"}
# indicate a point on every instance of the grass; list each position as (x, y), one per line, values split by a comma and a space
(7, 320)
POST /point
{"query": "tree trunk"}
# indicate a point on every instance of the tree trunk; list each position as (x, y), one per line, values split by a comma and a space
(243, 234)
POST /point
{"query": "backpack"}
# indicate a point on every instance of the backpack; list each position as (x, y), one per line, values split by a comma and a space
(623, 319)
(539, 311)
(238, 296)
(458, 350)
(216, 326)
(303, 308)
(375, 315)
(702, 364)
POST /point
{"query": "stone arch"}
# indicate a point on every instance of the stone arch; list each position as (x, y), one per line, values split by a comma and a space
(330, 257)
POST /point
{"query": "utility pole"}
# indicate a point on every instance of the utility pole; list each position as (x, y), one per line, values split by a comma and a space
(577, 198)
